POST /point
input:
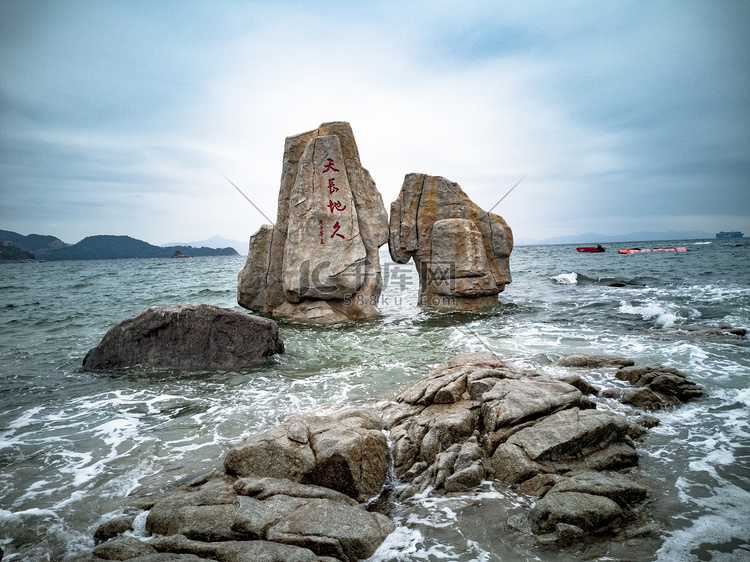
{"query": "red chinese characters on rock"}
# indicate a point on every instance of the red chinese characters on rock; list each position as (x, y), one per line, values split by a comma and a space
(337, 205)
(332, 206)
(336, 228)
(332, 188)
(329, 167)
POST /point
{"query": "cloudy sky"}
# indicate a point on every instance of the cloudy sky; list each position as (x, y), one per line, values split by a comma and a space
(120, 117)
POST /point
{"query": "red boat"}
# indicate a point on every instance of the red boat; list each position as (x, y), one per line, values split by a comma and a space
(597, 248)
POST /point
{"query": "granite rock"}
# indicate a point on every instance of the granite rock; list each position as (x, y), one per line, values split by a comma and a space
(320, 261)
(594, 361)
(343, 450)
(666, 385)
(186, 336)
(461, 252)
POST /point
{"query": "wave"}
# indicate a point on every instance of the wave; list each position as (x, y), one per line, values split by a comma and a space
(566, 278)
(658, 312)
(575, 278)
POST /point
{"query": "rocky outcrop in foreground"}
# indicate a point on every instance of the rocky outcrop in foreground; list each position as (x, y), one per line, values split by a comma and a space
(320, 261)
(461, 252)
(305, 490)
(184, 335)
(343, 450)
(656, 387)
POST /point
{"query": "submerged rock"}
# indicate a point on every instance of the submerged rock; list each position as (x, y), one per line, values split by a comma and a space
(123, 548)
(112, 528)
(320, 261)
(184, 335)
(461, 252)
(593, 361)
(721, 331)
(588, 512)
(658, 387)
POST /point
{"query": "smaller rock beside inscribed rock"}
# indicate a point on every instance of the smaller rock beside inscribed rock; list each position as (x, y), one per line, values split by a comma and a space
(461, 252)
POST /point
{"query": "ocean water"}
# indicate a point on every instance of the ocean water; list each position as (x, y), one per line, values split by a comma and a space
(73, 444)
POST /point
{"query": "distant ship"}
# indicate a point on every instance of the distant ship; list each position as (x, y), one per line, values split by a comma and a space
(736, 234)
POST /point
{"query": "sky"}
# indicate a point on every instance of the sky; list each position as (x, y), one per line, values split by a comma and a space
(124, 116)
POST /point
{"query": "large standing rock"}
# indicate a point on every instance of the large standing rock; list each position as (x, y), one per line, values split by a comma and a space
(320, 261)
(184, 335)
(461, 252)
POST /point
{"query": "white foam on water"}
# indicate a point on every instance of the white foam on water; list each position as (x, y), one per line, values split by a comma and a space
(719, 456)
(726, 520)
(35, 490)
(694, 354)
(406, 543)
(34, 512)
(139, 526)
(566, 278)
(743, 396)
(26, 418)
(660, 313)
(116, 431)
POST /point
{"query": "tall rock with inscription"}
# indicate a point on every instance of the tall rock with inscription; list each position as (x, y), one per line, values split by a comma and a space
(319, 262)
(461, 252)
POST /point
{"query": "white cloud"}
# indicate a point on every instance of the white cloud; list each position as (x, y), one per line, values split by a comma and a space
(127, 115)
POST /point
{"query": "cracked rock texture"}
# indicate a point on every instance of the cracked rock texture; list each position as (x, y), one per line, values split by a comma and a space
(298, 491)
(320, 261)
(461, 252)
(343, 450)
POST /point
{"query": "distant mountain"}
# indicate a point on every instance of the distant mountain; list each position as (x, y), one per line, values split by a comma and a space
(595, 238)
(32, 242)
(103, 247)
(213, 242)
(11, 253)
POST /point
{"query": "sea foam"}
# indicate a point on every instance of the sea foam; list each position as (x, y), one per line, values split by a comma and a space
(566, 278)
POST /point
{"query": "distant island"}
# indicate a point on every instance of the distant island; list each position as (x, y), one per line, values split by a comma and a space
(17, 247)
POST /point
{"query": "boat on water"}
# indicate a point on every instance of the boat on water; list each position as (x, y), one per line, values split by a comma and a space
(647, 250)
(591, 249)
(733, 234)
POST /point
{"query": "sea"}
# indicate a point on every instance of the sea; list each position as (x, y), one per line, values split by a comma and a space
(74, 444)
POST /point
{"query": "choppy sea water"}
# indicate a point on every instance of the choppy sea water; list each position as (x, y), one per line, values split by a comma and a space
(73, 444)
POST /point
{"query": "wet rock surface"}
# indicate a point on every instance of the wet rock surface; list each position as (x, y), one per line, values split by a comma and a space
(594, 360)
(343, 450)
(185, 335)
(656, 387)
(226, 518)
(298, 491)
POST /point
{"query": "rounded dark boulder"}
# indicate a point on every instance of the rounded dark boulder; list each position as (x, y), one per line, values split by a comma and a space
(186, 336)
